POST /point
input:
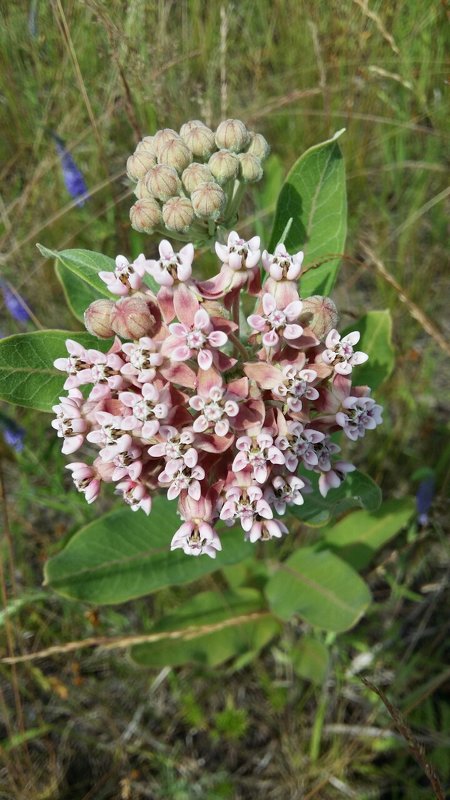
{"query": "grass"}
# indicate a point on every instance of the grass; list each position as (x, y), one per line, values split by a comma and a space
(101, 74)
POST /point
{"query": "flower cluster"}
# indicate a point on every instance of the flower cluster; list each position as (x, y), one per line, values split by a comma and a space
(225, 420)
(191, 182)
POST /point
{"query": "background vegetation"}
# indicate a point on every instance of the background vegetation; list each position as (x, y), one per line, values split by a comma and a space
(89, 724)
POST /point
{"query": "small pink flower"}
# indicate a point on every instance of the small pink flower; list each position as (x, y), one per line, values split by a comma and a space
(296, 385)
(332, 478)
(216, 410)
(111, 428)
(105, 372)
(177, 446)
(339, 352)
(69, 423)
(285, 491)
(149, 407)
(135, 495)
(126, 457)
(258, 453)
(362, 414)
(86, 480)
(246, 504)
(238, 253)
(276, 322)
(299, 444)
(126, 277)
(171, 267)
(143, 358)
(77, 365)
(196, 536)
(195, 339)
(181, 479)
(281, 266)
(266, 529)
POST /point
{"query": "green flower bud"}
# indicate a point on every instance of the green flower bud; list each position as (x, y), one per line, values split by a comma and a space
(250, 167)
(98, 318)
(319, 314)
(139, 164)
(162, 137)
(145, 215)
(141, 191)
(208, 201)
(146, 145)
(200, 141)
(258, 146)
(175, 154)
(178, 214)
(132, 318)
(223, 165)
(194, 175)
(163, 182)
(232, 135)
(190, 125)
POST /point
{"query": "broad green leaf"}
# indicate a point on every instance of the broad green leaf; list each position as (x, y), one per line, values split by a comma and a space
(123, 555)
(375, 328)
(357, 491)
(320, 587)
(27, 375)
(357, 537)
(266, 196)
(210, 608)
(79, 294)
(310, 660)
(84, 265)
(314, 196)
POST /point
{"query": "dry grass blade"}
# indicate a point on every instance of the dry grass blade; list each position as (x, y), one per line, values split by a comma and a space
(364, 6)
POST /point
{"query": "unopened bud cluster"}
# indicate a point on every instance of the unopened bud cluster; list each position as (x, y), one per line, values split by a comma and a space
(190, 183)
(228, 422)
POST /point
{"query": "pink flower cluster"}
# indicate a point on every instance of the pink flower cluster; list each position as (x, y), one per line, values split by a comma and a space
(219, 413)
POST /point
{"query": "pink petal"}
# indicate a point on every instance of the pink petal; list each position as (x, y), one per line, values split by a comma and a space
(201, 319)
(292, 331)
(257, 322)
(165, 249)
(185, 304)
(204, 359)
(269, 303)
(217, 338)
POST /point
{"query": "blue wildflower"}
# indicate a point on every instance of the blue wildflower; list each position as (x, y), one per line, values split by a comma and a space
(424, 499)
(14, 303)
(13, 434)
(73, 177)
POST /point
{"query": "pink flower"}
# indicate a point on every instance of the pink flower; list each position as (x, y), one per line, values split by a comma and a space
(194, 335)
(362, 414)
(296, 385)
(171, 267)
(176, 447)
(196, 536)
(77, 365)
(126, 457)
(135, 495)
(148, 407)
(112, 427)
(239, 267)
(299, 444)
(285, 491)
(86, 480)
(126, 277)
(276, 322)
(181, 479)
(258, 453)
(143, 358)
(238, 253)
(281, 266)
(215, 404)
(69, 422)
(246, 504)
(333, 478)
(339, 352)
(105, 371)
(266, 529)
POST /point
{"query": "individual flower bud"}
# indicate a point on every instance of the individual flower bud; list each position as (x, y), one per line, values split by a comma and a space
(175, 154)
(162, 137)
(163, 182)
(145, 215)
(98, 317)
(250, 167)
(190, 125)
(178, 214)
(132, 318)
(146, 145)
(319, 314)
(232, 135)
(208, 201)
(194, 175)
(258, 146)
(139, 164)
(200, 141)
(223, 165)
(141, 191)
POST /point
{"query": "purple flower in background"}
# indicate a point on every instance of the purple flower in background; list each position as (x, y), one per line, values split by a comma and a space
(424, 499)
(73, 177)
(14, 303)
(13, 434)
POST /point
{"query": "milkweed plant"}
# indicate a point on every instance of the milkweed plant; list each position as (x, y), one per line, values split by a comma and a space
(221, 386)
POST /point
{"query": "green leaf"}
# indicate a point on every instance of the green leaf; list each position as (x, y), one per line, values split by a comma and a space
(314, 196)
(27, 375)
(356, 491)
(320, 587)
(357, 537)
(310, 660)
(375, 328)
(210, 608)
(123, 555)
(78, 272)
